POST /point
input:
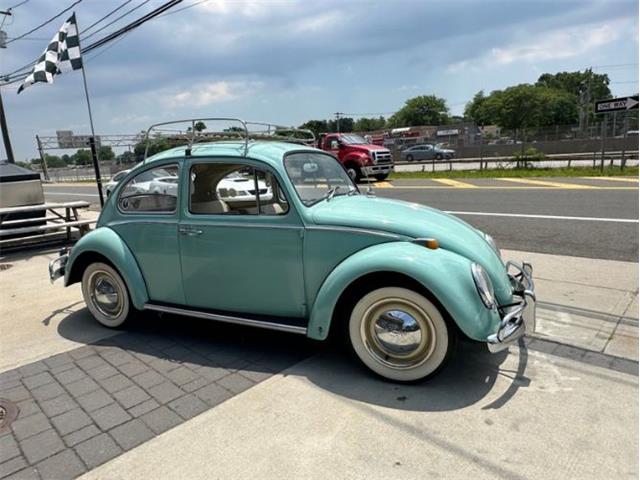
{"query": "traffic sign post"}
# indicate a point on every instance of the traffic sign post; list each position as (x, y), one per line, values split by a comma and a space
(613, 105)
(617, 104)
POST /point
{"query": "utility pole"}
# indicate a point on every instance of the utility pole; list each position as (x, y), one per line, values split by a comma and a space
(338, 115)
(3, 119)
(5, 132)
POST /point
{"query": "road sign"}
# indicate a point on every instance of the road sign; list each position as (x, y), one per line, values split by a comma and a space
(617, 104)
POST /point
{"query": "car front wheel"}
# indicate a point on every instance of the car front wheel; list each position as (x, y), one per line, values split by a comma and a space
(399, 334)
(409, 158)
(106, 295)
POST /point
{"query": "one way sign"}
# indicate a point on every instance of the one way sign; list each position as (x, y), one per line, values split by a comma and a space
(617, 104)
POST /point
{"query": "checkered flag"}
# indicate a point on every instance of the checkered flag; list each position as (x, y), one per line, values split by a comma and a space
(62, 55)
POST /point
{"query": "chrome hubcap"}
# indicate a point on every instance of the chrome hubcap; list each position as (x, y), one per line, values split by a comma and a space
(398, 333)
(105, 294)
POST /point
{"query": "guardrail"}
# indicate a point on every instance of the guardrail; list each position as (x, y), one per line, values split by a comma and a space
(506, 162)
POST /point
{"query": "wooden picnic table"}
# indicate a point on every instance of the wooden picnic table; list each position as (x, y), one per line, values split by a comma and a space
(54, 219)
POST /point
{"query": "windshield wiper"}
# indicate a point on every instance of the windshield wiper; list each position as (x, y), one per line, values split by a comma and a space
(352, 191)
(330, 193)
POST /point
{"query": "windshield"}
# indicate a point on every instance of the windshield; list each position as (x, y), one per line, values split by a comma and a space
(317, 176)
(353, 140)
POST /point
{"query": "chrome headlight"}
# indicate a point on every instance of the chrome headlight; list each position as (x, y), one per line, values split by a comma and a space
(492, 242)
(484, 285)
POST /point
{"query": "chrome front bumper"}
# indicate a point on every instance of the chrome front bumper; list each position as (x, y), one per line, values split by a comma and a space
(57, 265)
(520, 317)
(378, 169)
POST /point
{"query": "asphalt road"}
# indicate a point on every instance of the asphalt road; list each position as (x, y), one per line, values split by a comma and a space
(593, 223)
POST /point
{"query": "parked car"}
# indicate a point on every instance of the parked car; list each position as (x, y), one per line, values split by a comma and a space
(398, 281)
(111, 184)
(427, 151)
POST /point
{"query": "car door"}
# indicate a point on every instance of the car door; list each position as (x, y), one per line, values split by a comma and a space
(428, 153)
(239, 253)
(147, 221)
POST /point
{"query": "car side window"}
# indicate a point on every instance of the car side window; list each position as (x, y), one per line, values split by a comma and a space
(234, 189)
(333, 144)
(154, 191)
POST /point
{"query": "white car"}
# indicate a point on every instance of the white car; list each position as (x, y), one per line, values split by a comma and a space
(113, 183)
(237, 188)
(164, 185)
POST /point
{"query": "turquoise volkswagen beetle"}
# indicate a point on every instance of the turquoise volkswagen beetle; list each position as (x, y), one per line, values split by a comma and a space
(274, 234)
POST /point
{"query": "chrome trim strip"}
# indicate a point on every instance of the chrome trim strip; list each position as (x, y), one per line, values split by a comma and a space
(150, 221)
(227, 319)
(213, 223)
(362, 231)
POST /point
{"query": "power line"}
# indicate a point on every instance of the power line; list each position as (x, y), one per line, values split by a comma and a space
(17, 77)
(106, 16)
(45, 23)
(8, 12)
(114, 21)
(183, 8)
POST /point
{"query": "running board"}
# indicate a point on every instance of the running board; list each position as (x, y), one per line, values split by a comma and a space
(226, 318)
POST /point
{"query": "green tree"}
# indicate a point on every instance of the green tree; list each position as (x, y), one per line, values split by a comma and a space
(345, 123)
(200, 126)
(54, 161)
(126, 157)
(575, 82)
(82, 157)
(106, 153)
(523, 106)
(25, 164)
(369, 124)
(67, 159)
(421, 110)
(316, 126)
(156, 145)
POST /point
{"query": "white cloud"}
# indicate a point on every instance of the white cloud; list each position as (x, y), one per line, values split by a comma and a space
(205, 94)
(551, 45)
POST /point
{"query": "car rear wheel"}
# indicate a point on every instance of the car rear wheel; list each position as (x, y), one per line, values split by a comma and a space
(438, 156)
(409, 158)
(399, 334)
(106, 295)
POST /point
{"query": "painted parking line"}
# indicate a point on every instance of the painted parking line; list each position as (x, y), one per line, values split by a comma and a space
(547, 183)
(545, 217)
(454, 183)
(613, 179)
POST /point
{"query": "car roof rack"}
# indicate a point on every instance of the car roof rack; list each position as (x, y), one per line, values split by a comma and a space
(243, 131)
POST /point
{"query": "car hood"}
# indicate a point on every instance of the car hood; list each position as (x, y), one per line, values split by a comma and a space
(369, 147)
(417, 221)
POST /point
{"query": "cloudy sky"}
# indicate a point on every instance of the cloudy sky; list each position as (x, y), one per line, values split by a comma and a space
(288, 61)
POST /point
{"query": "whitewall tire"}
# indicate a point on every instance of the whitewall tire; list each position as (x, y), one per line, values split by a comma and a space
(399, 334)
(106, 294)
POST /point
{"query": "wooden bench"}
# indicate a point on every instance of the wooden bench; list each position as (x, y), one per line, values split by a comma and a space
(23, 230)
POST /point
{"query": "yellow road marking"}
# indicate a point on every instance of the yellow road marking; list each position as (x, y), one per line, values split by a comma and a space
(614, 179)
(382, 185)
(546, 183)
(454, 183)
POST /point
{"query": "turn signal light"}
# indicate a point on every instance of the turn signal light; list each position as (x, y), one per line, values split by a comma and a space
(431, 243)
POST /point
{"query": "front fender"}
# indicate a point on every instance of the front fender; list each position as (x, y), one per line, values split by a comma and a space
(445, 274)
(104, 241)
(359, 158)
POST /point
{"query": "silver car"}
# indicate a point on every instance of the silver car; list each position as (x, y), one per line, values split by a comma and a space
(427, 152)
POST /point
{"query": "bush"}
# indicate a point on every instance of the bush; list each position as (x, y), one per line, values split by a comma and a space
(528, 157)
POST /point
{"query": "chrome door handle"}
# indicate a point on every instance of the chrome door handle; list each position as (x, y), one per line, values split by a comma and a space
(190, 232)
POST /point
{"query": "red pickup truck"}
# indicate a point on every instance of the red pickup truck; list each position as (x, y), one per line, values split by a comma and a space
(361, 159)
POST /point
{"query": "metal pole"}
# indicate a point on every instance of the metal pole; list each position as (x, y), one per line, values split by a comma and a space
(92, 142)
(45, 170)
(604, 127)
(623, 160)
(5, 133)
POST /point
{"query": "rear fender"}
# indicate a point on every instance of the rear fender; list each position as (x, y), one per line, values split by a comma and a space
(105, 242)
(446, 275)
